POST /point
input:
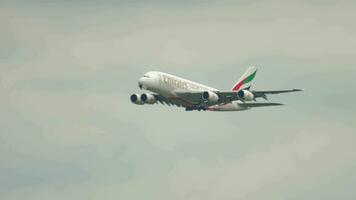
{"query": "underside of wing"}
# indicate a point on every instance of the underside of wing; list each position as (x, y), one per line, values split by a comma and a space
(228, 96)
(168, 101)
(207, 98)
(201, 99)
(191, 97)
(262, 93)
(247, 95)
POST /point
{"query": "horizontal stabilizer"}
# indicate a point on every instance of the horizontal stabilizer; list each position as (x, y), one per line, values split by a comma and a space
(250, 105)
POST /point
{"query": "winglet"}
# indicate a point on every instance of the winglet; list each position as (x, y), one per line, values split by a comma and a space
(298, 90)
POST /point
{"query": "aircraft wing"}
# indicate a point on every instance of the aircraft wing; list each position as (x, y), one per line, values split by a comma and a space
(195, 98)
(232, 95)
(262, 93)
(191, 97)
(228, 96)
(175, 102)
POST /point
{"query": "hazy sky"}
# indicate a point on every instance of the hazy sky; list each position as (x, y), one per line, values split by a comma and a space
(69, 131)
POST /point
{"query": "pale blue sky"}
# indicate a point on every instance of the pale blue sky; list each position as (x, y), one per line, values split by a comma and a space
(69, 131)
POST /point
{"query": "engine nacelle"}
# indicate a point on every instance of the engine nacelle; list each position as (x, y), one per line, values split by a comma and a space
(211, 97)
(148, 98)
(246, 95)
(135, 98)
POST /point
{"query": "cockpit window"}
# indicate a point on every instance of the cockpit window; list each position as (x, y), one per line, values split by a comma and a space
(148, 75)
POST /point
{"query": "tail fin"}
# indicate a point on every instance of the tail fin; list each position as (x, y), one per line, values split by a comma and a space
(246, 79)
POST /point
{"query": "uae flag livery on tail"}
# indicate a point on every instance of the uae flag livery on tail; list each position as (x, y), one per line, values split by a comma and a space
(246, 79)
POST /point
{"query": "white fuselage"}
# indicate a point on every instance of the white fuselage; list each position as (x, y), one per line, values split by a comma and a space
(169, 85)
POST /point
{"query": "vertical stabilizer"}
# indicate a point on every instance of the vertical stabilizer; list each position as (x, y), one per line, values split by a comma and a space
(246, 79)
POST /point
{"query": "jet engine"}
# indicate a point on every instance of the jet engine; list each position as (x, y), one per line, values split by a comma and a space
(246, 95)
(148, 98)
(136, 100)
(211, 97)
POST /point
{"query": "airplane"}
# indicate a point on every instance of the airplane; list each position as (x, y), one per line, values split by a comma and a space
(173, 90)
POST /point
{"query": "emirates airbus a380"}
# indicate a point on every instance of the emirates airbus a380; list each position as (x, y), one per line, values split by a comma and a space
(173, 90)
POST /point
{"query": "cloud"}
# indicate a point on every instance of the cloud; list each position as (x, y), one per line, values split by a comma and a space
(67, 71)
(223, 33)
(301, 162)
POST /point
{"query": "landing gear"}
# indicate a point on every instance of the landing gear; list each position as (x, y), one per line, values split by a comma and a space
(198, 108)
